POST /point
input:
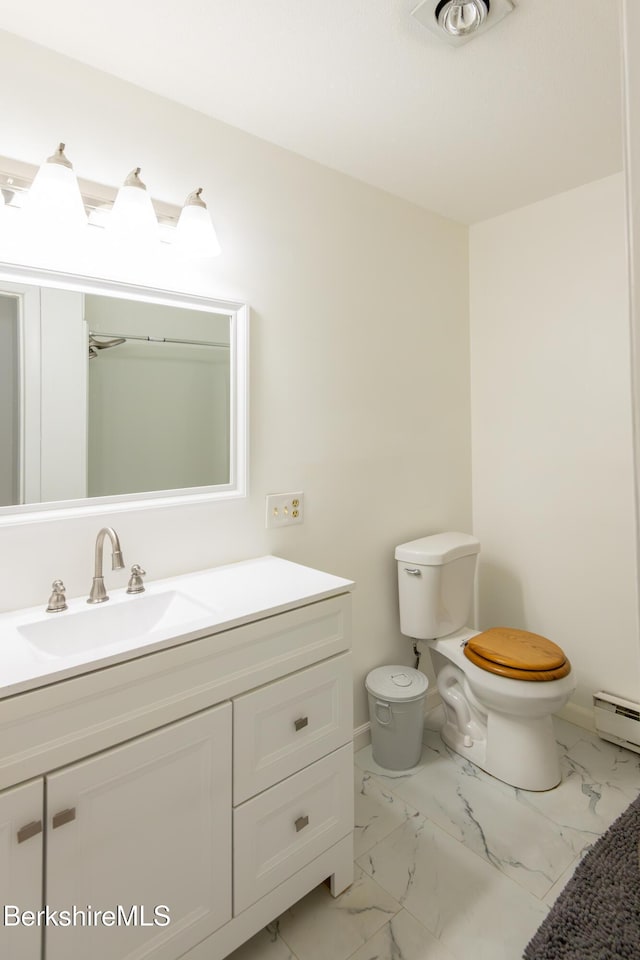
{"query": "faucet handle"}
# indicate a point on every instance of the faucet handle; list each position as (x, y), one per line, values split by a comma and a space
(57, 600)
(135, 584)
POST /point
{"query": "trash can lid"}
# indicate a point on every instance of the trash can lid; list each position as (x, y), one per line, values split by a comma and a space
(396, 683)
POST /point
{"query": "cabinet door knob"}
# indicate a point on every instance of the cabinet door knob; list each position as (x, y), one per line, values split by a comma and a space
(301, 823)
(65, 816)
(301, 722)
(29, 830)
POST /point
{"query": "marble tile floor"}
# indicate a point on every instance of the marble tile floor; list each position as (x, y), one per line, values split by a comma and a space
(452, 864)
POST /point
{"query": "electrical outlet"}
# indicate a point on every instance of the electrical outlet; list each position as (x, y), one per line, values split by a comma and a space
(283, 509)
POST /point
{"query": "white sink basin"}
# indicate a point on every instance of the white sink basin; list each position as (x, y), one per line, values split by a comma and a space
(134, 620)
(38, 648)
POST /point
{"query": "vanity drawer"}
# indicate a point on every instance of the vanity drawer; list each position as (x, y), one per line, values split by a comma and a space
(284, 726)
(286, 827)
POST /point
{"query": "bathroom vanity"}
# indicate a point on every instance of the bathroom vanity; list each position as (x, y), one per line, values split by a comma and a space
(184, 753)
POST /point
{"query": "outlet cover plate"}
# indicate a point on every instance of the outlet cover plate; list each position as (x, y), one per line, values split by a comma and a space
(284, 509)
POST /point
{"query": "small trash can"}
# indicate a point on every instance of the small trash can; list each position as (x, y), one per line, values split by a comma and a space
(396, 710)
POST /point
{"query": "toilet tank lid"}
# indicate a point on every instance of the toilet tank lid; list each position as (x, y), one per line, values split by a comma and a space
(438, 548)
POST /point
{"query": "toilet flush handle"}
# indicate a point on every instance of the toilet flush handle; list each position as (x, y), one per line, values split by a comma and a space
(413, 571)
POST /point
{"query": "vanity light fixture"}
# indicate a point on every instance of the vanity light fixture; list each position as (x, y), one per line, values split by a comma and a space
(132, 218)
(51, 200)
(54, 203)
(195, 233)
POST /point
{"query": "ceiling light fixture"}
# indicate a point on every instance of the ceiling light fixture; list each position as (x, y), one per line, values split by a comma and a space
(458, 21)
(50, 203)
(459, 18)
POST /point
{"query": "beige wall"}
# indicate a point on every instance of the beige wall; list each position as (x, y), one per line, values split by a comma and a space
(631, 66)
(359, 349)
(552, 434)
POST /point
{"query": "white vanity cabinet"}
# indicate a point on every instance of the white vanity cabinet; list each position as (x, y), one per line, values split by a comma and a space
(284, 726)
(213, 778)
(141, 826)
(21, 835)
(298, 728)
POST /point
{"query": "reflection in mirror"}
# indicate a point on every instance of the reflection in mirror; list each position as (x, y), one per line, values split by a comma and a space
(9, 402)
(158, 411)
(105, 396)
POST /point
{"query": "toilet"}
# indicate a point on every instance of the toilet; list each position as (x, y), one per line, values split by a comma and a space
(500, 687)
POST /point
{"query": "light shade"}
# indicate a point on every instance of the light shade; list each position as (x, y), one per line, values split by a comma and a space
(459, 18)
(53, 205)
(132, 220)
(195, 233)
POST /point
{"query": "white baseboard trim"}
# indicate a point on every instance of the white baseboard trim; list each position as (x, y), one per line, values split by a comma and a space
(581, 716)
(572, 712)
(432, 700)
(361, 736)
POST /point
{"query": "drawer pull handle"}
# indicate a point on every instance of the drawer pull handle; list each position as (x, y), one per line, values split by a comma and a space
(29, 830)
(301, 722)
(301, 823)
(65, 816)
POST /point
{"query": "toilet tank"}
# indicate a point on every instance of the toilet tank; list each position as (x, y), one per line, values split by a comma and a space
(435, 584)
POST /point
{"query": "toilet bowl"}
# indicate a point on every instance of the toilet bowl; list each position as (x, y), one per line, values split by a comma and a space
(500, 687)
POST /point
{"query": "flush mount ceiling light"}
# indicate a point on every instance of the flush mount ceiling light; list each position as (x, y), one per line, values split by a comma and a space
(50, 202)
(458, 21)
(459, 18)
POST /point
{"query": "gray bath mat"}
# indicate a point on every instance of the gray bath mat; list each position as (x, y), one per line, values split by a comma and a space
(597, 915)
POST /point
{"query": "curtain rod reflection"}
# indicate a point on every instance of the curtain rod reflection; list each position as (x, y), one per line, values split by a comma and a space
(114, 339)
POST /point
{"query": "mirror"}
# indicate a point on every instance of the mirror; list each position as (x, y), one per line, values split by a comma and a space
(158, 397)
(110, 396)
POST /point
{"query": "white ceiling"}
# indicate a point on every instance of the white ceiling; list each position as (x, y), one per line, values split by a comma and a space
(529, 109)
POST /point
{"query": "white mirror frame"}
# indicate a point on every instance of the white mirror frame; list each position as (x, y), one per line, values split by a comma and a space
(239, 400)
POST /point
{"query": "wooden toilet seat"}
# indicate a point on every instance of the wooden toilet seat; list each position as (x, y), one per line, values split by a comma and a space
(517, 654)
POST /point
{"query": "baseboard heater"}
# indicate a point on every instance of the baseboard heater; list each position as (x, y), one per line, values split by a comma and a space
(617, 720)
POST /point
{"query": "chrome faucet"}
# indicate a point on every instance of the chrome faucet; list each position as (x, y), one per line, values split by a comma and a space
(98, 593)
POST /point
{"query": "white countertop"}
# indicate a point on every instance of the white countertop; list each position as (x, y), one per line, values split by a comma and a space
(205, 603)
